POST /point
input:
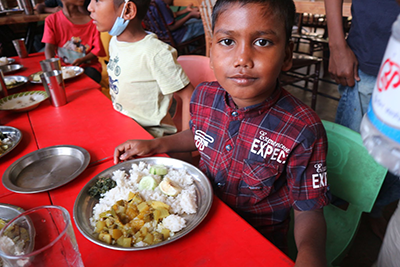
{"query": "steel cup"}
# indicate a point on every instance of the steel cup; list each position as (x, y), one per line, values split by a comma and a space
(50, 64)
(19, 45)
(53, 83)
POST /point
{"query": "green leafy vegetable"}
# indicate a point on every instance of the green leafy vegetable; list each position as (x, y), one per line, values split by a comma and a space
(101, 186)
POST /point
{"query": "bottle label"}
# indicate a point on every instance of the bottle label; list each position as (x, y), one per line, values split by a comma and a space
(386, 95)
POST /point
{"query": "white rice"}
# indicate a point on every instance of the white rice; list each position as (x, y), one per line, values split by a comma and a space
(183, 203)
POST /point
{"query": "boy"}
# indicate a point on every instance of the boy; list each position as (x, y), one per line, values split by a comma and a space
(261, 148)
(143, 71)
(71, 34)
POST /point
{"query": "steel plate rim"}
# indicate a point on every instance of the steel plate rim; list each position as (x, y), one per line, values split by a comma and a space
(10, 186)
(78, 71)
(24, 78)
(17, 67)
(180, 234)
(15, 144)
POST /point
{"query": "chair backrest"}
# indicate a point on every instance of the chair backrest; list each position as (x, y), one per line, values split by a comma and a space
(206, 7)
(353, 176)
(197, 68)
(154, 21)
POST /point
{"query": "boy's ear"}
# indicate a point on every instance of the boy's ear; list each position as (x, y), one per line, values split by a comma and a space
(287, 63)
(130, 11)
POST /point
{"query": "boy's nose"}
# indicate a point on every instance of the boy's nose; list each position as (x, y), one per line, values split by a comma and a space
(89, 8)
(243, 57)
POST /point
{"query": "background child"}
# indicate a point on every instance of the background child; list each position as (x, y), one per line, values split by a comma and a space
(71, 34)
(143, 71)
(264, 147)
(187, 27)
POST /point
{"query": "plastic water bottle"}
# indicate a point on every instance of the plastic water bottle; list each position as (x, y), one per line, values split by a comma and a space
(380, 127)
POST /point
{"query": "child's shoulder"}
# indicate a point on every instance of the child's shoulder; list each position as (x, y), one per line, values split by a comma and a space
(298, 111)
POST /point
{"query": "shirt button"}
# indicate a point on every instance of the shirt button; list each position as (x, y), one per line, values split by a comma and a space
(235, 114)
(228, 147)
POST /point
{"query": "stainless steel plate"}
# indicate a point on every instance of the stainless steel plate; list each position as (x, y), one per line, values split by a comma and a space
(10, 61)
(35, 77)
(46, 169)
(83, 208)
(14, 134)
(19, 81)
(11, 67)
(78, 71)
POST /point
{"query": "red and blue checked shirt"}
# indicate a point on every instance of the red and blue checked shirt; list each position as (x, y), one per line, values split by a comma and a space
(263, 159)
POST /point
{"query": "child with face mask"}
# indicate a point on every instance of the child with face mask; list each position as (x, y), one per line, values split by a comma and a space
(143, 71)
(71, 35)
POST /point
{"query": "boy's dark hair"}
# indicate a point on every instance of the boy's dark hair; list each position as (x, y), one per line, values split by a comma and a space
(283, 8)
(141, 5)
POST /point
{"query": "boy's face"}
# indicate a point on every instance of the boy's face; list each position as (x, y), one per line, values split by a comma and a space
(104, 14)
(248, 52)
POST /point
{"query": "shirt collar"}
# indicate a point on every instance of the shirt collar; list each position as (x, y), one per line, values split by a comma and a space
(254, 109)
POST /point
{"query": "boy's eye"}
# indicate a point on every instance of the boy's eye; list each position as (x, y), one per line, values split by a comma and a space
(262, 42)
(226, 42)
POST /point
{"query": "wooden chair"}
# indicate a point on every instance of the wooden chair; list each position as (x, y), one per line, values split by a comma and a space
(205, 8)
(155, 22)
(295, 75)
(105, 39)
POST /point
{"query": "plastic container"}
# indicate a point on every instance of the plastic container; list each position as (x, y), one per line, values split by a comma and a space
(380, 127)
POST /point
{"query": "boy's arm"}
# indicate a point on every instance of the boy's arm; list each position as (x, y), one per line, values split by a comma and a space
(180, 142)
(185, 95)
(188, 9)
(310, 236)
(194, 13)
(49, 50)
(343, 64)
(81, 60)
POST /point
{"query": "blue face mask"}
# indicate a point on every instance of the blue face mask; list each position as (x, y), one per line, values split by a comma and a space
(120, 24)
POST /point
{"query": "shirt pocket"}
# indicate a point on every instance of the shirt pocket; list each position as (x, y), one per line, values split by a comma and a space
(258, 178)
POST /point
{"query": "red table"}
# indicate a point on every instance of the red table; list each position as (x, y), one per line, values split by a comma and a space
(89, 121)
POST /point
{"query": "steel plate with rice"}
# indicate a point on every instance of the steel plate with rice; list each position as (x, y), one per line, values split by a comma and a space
(46, 169)
(69, 72)
(15, 81)
(201, 187)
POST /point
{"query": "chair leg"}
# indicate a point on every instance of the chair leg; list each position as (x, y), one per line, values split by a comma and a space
(315, 85)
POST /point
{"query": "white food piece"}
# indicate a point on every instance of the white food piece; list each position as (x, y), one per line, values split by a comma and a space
(3, 61)
(10, 81)
(68, 73)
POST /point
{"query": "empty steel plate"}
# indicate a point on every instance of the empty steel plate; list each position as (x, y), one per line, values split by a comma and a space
(46, 169)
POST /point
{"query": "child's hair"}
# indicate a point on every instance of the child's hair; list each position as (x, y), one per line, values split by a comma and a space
(141, 5)
(284, 8)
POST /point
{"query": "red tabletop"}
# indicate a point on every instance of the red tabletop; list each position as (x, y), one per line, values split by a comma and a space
(222, 239)
(27, 201)
(89, 121)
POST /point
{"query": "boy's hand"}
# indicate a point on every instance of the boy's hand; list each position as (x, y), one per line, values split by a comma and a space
(194, 12)
(132, 148)
(78, 61)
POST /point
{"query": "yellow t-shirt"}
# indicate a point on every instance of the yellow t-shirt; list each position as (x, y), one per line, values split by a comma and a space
(143, 75)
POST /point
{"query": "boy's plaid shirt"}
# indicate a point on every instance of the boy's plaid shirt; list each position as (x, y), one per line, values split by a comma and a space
(264, 159)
